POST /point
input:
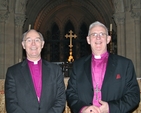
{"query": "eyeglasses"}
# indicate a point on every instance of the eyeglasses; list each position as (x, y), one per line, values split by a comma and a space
(29, 40)
(95, 35)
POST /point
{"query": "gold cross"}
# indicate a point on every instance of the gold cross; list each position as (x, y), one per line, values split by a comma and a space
(70, 36)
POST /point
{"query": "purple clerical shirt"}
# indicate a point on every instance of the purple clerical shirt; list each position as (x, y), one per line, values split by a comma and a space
(98, 67)
(36, 73)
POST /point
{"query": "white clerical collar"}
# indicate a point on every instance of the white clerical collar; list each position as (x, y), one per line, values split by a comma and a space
(35, 62)
(97, 56)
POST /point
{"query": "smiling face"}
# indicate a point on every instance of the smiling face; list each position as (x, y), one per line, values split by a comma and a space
(98, 39)
(33, 44)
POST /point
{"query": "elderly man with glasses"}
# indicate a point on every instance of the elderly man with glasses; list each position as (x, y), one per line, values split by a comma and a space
(102, 82)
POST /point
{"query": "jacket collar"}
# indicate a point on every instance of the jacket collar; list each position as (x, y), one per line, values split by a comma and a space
(111, 66)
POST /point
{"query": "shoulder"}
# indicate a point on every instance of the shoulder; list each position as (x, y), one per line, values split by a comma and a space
(81, 61)
(50, 64)
(119, 58)
(84, 58)
(17, 66)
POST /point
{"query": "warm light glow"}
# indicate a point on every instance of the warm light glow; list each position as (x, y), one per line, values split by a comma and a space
(110, 27)
(29, 27)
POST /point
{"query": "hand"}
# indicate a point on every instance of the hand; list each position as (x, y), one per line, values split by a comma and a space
(90, 109)
(104, 108)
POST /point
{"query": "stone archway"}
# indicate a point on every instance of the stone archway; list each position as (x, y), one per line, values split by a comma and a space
(78, 12)
(16, 16)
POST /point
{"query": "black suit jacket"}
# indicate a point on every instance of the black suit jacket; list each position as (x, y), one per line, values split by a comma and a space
(120, 88)
(20, 94)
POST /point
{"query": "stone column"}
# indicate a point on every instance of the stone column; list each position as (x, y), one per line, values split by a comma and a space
(19, 21)
(119, 17)
(136, 14)
(120, 21)
(20, 9)
(3, 18)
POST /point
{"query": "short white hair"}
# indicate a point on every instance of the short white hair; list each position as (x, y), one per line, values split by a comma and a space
(97, 23)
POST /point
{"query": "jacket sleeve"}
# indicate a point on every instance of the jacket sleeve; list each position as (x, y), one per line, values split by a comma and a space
(73, 97)
(10, 94)
(130, 99)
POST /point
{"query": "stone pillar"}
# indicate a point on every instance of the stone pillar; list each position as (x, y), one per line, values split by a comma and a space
(19, 21)
(20, 9)
(120, 21)
(136, 14)
(119, 17)
(3, 18)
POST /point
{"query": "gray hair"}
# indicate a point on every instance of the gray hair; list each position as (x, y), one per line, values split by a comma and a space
(97, 23)
(24, 34)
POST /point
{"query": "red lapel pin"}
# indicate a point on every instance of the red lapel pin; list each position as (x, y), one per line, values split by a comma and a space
(118, 76)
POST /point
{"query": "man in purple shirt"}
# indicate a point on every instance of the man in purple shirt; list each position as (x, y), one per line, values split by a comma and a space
(102, 82)
(34, 85)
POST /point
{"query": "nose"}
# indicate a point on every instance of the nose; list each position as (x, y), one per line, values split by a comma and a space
(98, 36)
(33, 42)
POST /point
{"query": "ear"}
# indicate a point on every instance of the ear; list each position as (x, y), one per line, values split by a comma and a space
(23, 45)
(43, 42)
(88, 39)
(108, 39)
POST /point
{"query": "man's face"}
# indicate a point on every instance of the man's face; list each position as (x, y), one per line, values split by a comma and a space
(33, 45)
(98, 40)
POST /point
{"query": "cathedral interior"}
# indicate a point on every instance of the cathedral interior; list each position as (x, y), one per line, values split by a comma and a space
(64, 25)
(56, 18)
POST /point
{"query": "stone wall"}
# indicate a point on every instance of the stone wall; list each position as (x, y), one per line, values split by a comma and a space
(67, 110)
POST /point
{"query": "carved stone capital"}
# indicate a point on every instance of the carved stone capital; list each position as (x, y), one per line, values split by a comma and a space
(135, 3)
(119, 5)
(3, 16)
(119, 18)
(3, 4)
(19, 20)
(136, 13)
(20, 6)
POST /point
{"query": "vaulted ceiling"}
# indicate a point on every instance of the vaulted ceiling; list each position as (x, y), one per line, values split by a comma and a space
(41, 13)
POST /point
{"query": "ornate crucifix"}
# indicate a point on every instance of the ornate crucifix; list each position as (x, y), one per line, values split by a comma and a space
(96, 90)
(70, 36)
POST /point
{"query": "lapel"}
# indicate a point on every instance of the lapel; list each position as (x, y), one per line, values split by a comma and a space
(27, 77)
(45, 75)
(111, 67)
(88, 80)
(87, 68)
